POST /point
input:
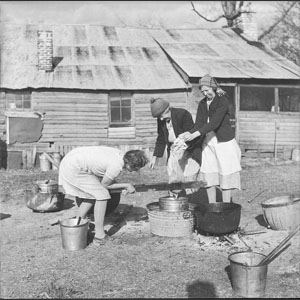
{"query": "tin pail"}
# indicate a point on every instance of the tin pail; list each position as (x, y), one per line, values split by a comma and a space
(44, 163)
(74, 237)
(247, 279)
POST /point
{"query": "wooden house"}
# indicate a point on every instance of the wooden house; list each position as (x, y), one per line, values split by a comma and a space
(263, 87)
(63, 86)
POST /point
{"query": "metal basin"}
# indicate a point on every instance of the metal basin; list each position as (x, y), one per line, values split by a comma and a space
(173, 204)
(46, 186)
(217, 218)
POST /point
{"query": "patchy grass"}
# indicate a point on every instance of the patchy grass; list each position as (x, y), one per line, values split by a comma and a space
(34, 265)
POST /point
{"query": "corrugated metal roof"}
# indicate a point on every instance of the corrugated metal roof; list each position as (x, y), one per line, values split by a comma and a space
(108, 58)
(223, 54)
(87, 57)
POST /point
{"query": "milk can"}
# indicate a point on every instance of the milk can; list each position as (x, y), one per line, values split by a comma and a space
(45, 164)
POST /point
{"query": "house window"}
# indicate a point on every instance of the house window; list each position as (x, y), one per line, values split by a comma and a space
(18, 100)
(257, 98)
(289, 99)
(120, 109)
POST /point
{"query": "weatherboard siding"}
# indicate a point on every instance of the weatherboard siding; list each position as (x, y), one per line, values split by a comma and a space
(72, 116)
(257, 130)
(75, 118)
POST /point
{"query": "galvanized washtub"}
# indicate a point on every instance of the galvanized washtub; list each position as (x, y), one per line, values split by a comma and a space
(170, 224)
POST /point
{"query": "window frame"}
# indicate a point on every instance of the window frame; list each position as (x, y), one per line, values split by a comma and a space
(8, 107)
(123, 96)
(276, 97)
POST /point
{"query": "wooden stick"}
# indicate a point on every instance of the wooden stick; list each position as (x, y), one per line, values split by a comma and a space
(51, 160)
(250, 200)
(33, 155)
(277, 126)
(268, 258)
(164, 186)
(24, 159)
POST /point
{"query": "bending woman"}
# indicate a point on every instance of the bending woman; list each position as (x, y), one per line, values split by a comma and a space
(90, 172)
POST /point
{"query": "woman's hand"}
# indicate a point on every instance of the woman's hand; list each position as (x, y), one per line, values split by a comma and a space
(184, 135)
(187, 136)
(129, 189)
(152, 162)
(220, 92)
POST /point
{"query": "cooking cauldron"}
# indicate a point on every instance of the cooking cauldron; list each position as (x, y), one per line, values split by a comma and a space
(217, 218)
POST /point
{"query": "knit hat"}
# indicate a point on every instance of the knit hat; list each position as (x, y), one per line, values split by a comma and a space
(207, 80)
(158, 106)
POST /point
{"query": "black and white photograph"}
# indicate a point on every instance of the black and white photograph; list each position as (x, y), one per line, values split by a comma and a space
(185, 114)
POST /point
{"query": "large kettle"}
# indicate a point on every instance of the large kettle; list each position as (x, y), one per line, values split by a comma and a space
(217, 218)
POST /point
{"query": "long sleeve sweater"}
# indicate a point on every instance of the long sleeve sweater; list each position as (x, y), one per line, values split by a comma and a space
(219, 119)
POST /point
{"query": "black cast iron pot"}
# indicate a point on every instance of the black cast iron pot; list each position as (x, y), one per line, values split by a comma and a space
(217, 218)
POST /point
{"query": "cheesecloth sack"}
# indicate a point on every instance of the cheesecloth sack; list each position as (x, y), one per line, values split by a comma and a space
(181, 166)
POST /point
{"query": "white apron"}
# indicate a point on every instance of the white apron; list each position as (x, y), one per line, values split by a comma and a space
(221, 162)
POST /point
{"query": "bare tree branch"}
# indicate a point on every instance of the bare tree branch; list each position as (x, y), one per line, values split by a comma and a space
(230, 12)
(217, 19)
(241, 5)
(277, 22)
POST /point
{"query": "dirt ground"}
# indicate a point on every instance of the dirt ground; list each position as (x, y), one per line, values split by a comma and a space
(141, 265)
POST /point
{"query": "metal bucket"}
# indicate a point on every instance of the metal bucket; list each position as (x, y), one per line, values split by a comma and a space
(74, 237)
(44, 163)
(282, 213)
(173, 204)
(170, 224)
(247, 279)
(47, 186)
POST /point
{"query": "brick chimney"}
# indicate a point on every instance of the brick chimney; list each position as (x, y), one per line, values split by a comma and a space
(247, 23)
(45, 50)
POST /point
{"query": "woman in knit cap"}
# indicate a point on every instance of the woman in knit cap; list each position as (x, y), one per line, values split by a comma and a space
(221, 155)
(171, 122)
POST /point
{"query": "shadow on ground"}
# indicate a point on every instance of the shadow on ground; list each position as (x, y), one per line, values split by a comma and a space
(118, 218)
(4, 216)
(68, 203)
(201, 289)
(261, 221)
